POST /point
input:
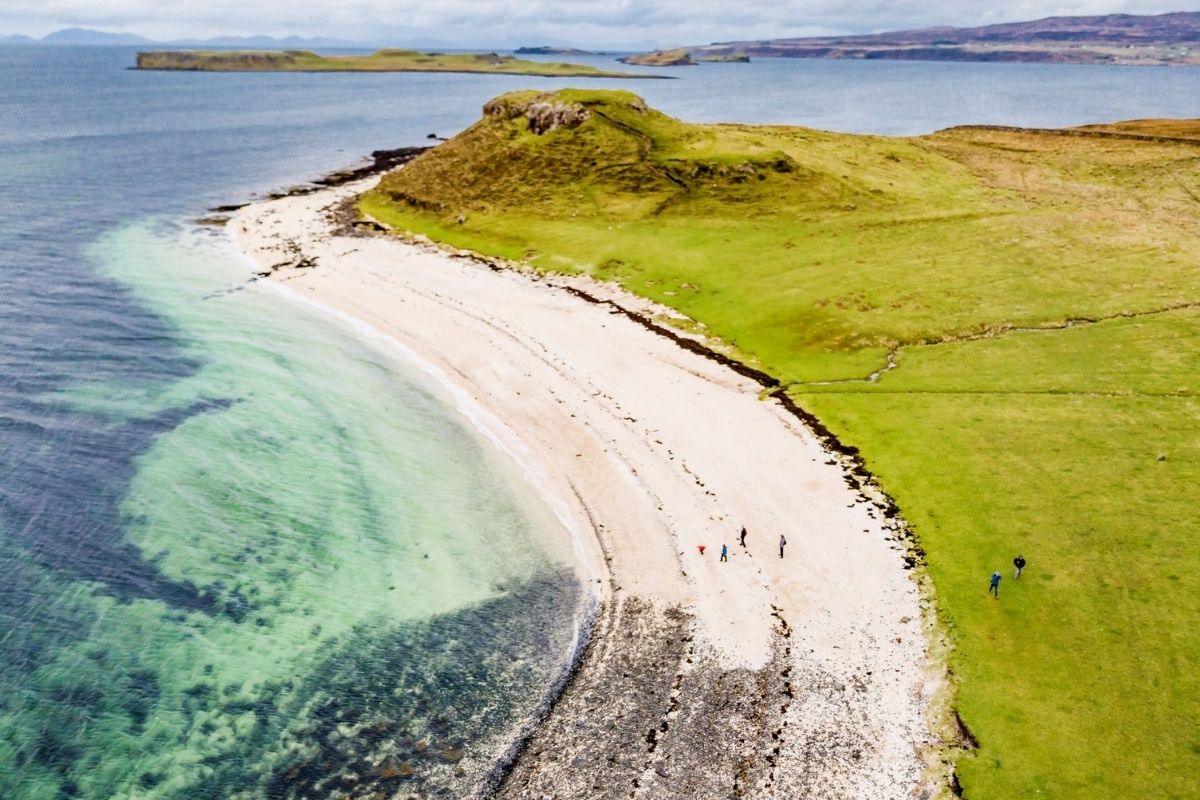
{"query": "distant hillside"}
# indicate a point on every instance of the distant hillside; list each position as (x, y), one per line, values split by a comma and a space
(549, 50)
(1121, 39)
(86, 36)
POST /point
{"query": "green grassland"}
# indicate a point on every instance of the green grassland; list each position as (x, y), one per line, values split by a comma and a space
(1039, 298)
(389, 60)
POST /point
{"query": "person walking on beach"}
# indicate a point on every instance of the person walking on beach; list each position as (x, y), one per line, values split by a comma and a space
(782, 542)
(1019, 563)
(742, 541)
(994, 586)
(724, 552)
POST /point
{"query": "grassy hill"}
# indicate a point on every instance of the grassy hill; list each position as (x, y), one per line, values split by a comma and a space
(1006, 323)
(379, 61)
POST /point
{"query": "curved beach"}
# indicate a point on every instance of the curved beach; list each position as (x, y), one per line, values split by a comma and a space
(802, 676)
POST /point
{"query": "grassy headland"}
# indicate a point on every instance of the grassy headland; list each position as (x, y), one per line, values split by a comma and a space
(379, 61)
(1039, 299)
(724, 58)
(660, 58)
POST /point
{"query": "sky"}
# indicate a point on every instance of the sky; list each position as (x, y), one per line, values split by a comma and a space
(510, 23)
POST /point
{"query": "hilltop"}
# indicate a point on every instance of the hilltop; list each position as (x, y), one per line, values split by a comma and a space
(993, 319)
(1118, 39)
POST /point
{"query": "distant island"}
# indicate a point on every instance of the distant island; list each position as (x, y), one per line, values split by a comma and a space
(547, 50)
(736, 57)
(682, 57)
(1118, 39)
(660, 58)
(388, 60)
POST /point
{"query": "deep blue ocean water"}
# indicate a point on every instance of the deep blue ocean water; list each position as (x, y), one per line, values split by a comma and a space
(242, 553)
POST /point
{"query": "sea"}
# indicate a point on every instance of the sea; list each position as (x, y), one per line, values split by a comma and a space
(246, 550)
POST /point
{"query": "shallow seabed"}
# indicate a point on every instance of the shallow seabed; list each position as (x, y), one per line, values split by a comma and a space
(322, 578)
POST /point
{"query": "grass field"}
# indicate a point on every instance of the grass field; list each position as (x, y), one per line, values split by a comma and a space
(1039, 297)
(388, 60)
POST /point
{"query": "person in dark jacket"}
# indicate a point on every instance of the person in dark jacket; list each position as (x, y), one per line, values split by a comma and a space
(782, 542)
(1019, 563)
(742, 540)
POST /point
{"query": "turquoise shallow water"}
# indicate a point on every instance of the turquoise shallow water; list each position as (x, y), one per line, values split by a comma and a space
(244, 553)
(366, 588)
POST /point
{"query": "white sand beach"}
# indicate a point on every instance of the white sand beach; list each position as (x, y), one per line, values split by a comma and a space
(653, 451)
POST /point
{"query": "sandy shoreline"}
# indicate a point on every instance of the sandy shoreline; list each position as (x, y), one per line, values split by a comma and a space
(802, 676)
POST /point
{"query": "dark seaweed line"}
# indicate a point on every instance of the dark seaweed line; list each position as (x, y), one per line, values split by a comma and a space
(857, 476)
(855, 472)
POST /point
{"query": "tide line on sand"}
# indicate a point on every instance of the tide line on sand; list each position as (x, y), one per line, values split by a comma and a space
(807, 675)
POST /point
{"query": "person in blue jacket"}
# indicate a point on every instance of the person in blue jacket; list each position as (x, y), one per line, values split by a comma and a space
(994, 586)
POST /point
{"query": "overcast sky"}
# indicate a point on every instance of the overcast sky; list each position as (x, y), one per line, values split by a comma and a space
(497, 23)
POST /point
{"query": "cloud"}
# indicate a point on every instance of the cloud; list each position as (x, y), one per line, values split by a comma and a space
(504, 22)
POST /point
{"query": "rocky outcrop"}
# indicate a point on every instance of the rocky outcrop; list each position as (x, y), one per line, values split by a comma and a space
(544, 112)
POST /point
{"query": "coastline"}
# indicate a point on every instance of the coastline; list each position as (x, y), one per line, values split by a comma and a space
(806, 675)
